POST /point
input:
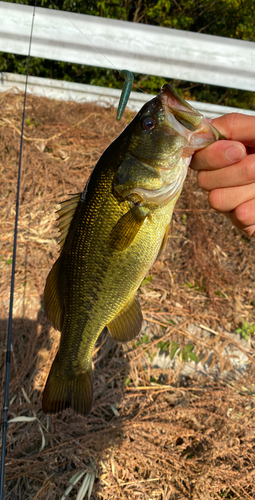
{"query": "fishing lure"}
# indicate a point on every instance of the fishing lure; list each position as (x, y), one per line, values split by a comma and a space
(129, 81)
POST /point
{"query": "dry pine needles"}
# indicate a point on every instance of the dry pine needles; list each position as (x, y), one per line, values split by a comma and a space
(151, 434)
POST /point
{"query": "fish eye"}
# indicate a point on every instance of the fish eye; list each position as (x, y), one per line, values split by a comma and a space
(148, 122)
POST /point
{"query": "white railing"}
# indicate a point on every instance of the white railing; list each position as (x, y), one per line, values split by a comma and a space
(70, 91)
(140, 48)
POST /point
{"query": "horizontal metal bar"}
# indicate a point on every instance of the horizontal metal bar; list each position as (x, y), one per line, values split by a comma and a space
(69, 91)
(140, 48)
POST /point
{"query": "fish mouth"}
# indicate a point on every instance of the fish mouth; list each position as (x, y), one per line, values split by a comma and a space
(187, 121)
(174, 101)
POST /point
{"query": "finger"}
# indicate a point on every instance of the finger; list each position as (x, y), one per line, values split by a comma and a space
(243, 217)
(240, 174)
(236, 127)
(225, 199)
(218, 155)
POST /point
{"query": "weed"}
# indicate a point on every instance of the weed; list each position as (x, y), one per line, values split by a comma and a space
(196, 286)
(163, 345)
(141, 342)
(146, 281)
(246, 330)
(127, 381)
(8, 261)
(185, 354)
(184, 219)
(32, 121)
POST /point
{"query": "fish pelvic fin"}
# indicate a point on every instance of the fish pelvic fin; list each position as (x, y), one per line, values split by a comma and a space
(127, 324)
(53, 298)
(62, 392)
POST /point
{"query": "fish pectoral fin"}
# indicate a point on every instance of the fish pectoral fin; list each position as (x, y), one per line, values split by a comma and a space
(127, 324)
(62, 392)
(127, 227)
(53, 299)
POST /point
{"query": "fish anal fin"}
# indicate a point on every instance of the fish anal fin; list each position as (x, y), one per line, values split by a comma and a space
(127, 227)
(53, 298)
(163, 242)
(65, 216)
(127, 324)
(62, 392)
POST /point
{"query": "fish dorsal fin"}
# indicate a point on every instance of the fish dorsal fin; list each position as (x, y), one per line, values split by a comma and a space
(127, 324)
(65, 216)
(127, 227)
(53, 298)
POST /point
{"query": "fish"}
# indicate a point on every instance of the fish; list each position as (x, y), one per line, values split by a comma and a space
(111, 234)
(128, 84)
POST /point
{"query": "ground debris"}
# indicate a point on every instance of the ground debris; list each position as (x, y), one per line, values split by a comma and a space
(151, 434)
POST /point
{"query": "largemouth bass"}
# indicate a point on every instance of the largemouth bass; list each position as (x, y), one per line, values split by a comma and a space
(111, 235)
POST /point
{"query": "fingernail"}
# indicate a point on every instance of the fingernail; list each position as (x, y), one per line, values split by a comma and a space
(234, 153)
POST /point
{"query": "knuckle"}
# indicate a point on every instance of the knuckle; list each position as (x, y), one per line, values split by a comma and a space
(243, 213)
(216, 199)
(204, 159)
(207, 159)
(249, 170)
(201, 180)
(233, 120)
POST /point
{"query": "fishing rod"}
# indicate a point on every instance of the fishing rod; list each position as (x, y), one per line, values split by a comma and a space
(8, 351)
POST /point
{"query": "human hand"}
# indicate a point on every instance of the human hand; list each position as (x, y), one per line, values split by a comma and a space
(226, 169)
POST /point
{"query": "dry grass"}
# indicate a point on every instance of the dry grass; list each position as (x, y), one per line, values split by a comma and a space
(149, 436)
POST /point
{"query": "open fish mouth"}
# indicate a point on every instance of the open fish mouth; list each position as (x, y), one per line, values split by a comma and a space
(187, 121)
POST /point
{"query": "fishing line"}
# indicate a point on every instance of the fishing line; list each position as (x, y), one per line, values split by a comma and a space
(91, 43)
(94, 46)
(8, 352)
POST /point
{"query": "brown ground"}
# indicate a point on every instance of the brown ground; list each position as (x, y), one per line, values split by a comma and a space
(148, 436)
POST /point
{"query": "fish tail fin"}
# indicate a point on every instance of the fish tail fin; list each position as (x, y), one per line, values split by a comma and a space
(62, 392)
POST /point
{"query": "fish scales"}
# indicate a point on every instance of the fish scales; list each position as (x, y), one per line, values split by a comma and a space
(110, 267)
(116, 232)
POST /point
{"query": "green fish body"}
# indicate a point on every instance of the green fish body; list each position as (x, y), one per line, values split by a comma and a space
(111, 234)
